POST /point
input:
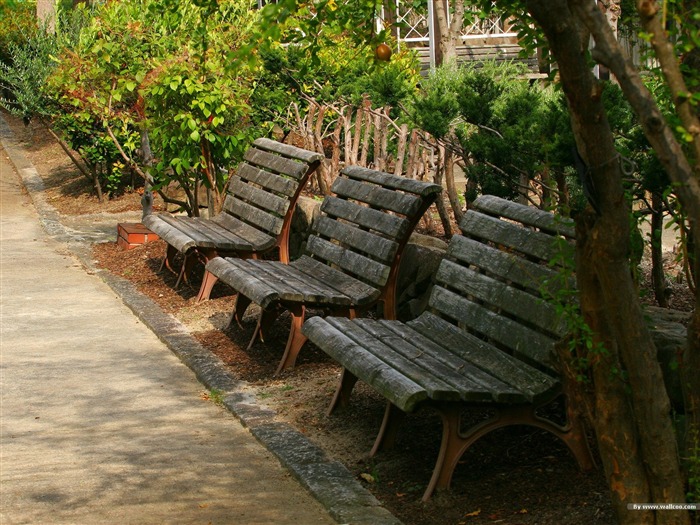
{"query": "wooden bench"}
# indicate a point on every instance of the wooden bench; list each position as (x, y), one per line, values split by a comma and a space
(485, 341)
(477, 54)
(256, 217)
(351, 259)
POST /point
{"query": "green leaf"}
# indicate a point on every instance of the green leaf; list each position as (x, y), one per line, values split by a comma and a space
(195, 136)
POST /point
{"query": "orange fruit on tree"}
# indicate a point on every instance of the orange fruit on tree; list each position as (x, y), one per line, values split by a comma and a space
(382, 52)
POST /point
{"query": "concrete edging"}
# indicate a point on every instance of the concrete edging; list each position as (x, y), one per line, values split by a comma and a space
(329, 481)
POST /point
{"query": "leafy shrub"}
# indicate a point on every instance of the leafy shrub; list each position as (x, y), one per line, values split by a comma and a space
(18, 24)
(159, 70)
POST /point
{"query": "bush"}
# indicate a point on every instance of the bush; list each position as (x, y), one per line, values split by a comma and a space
(18, 25)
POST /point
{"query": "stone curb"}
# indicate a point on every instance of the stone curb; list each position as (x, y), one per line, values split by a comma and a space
(330, 482)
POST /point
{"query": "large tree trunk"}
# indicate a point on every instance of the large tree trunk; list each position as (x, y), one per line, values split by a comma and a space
(631, 419)
(448, 28)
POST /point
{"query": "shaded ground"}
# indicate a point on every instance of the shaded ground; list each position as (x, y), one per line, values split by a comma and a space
(514, 476)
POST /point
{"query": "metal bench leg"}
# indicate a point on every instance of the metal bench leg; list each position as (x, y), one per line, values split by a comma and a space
(168, 259)
(208, 282)
(295, 341)
(386, 438)
(265, 320)
(242, 303)
(455, 443)
(341, 398)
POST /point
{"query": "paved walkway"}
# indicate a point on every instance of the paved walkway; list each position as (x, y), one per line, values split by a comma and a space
(99, 421)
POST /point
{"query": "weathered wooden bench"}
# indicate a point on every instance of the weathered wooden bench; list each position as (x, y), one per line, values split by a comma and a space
(351, 259)
(486, 340)
(256, 217)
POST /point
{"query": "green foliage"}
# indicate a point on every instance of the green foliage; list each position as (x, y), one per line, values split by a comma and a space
(341, 73)
(560, 291)
(505, 126)
(436, 107)
(160, 67)
(32, 59)
(18, 24)
(24, 76)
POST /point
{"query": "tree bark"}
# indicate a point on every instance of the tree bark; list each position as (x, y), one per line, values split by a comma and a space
(632, 421)
(686, 177)
(658, 280)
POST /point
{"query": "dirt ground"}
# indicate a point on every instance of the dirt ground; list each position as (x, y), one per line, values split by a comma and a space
(517, 475)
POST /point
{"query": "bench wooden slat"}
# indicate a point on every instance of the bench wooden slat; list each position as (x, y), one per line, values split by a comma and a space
(258, 240)
(504, 265)
(308, 288)
(517, 303)
(201, 237)
(531, 243)
(526, 343)
(267, 180)
(466, 381)
(359, 292)
(259, 197)
(403, 203)
(275, 163)
(408, 361)
(528, 215)
(390, 225)
(358, 265)
(378, 247)
(287, 150)
(256, 216)
(224, 239)
(532, 382)
(387, 181)
(246, 280)
(180, 241)
(404, 393)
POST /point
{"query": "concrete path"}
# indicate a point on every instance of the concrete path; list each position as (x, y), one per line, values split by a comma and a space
(99, 421)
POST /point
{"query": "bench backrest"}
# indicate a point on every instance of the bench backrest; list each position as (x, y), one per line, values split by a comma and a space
(366, 222)
(492, 281)
(267, 185)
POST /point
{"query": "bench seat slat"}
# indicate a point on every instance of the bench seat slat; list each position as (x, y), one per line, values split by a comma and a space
(359, 292)
(466, 371)
(532, 382)
(390, 225)
(244, 279)
(202, 237)
(176, 238)
(304, 280)
(468, 382)
(407, 364)
(376, 246)
(404, 393)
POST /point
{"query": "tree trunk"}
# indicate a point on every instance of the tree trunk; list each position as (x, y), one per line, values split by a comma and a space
(658, 279)
(446, 40)
(632, 419)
